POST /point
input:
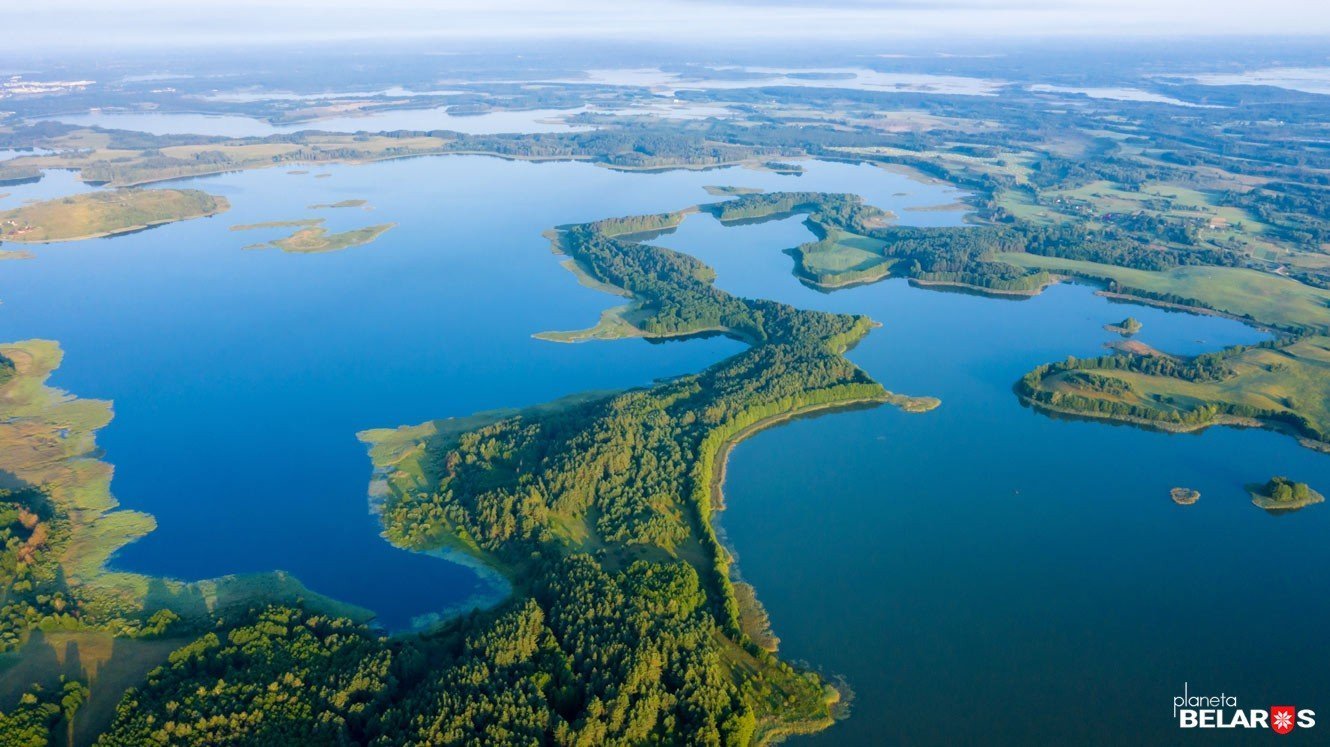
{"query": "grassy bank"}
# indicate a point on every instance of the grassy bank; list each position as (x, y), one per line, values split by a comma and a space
(96, 214)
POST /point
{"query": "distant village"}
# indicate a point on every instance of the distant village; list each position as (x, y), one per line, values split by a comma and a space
(10, 228)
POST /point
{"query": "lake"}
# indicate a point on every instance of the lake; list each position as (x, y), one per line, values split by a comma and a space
(974, 571)
(984, 574)
(1115, 93)
(855, 78)
(240, 378)
(387, 120)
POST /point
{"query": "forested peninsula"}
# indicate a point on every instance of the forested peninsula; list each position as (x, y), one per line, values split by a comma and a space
(623, 625)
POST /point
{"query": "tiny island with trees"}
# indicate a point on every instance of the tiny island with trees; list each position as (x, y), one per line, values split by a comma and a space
(1280, 494)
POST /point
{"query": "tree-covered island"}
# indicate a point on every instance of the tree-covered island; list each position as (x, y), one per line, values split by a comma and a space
(1280, 495)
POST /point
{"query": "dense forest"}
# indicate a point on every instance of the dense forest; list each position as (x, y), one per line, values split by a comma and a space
(32, 589)
(593, 657)
(623, 628)
(39, 713)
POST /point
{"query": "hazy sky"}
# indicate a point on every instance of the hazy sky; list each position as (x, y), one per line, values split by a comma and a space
(181, 22)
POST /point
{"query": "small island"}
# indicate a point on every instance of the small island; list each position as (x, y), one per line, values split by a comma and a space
(340, 204)
(782, 167)
(1127, 327)
(727, 191)
(313, 238)
(301, 223)
(108, 213)
(1281, 495)
(631, 481)
(1185, 496)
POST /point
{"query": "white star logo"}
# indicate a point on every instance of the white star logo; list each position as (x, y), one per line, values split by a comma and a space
(1283, 720)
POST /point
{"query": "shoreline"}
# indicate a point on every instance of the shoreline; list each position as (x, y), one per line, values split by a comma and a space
(239, 167)
(716, 495)
(844, 284)
(1232, 421)
(222, 205)
(79, 484)
(1198, 310)
(994, 292)
(722, 458)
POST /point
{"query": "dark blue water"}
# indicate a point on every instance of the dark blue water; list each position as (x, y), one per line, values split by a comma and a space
(983, 574)
(240, 378)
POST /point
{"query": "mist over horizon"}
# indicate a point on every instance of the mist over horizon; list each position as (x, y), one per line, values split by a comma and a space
(88, 26)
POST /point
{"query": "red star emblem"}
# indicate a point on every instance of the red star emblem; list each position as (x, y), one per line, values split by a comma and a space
(1283, 719)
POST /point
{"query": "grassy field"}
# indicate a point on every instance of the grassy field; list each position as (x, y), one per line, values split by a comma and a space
(615, 324)
(1183, 202)
(1266, 298)
(842, 258)
(96, 214)
(317, 240)
(1294, 379)
(48, 438)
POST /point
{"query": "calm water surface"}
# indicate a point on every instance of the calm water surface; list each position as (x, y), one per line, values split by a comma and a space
(977, 574)
(240, 378)
(983, 574)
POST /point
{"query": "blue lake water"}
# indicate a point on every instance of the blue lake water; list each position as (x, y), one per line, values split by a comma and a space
(240, 378)
(979, 573)
(984, 574)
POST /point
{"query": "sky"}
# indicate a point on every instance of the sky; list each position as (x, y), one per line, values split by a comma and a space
(119, 23)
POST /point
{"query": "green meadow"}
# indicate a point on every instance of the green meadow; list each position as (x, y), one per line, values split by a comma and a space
(96, 214)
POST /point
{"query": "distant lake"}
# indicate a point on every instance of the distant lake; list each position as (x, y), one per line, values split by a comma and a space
(8, 153)
(1306, 79)
(244, 95)
(857, 78)
(233, 125)
(1116, 93)
(978, 574)
(435, 118)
